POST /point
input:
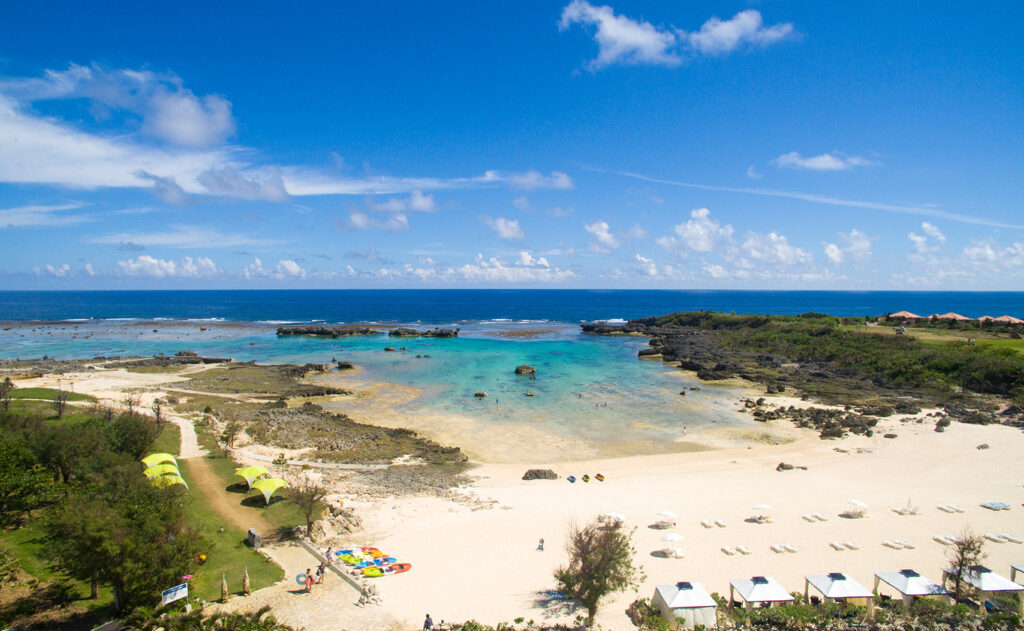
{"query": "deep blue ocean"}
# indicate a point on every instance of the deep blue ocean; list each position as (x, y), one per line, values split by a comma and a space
(462, 305)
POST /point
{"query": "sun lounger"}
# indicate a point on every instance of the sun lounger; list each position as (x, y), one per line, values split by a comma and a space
(777, 548)
(956, 509)
(837, 546)
(743, 550)
(945, 508)
(819, 517)
(663, 524)
(809, 517)
(790, 548)
(943, 539)
(720, 523)
(851, 545)
(905, 544)
(707, 524)
(994, 537)
(892, 544)
(1011, 538)
(728, 550)
(996, 506)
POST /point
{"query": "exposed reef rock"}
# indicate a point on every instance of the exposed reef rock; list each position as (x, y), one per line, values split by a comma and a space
(540, 474)
(407, 332)
(322, 330)
(526, 370)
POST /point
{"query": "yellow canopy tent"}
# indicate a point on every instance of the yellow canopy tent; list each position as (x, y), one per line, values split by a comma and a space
(251, 473)
(160, 469)
(170, 479)
(267, 486)
(159, 458)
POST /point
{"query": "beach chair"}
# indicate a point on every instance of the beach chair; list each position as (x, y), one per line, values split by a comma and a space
(776, 548)
(945, 508)
(905, 544)
(891, 544)
(1011, 538)
(994, 538)
(720, 523)
(790, 548)
(956, 509)
(943, 539)
(707, 524)
(851, 545)
(835, 545)
(808, 517)
(744, 550)
(820, 517)
(728, 550)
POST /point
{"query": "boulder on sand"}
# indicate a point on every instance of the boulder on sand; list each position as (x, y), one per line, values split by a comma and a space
(540, 474)
(526, 370)
(480, 395)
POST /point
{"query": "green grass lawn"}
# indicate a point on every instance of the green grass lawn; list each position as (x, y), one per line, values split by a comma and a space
(47, 394)
(168, 441)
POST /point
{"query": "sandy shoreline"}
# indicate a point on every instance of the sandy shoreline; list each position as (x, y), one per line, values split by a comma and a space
(478, 563)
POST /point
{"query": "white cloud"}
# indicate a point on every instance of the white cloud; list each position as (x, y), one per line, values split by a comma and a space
(746, 28)
(646, 266)
(259, 184)
(285, 269)
(417, 201)
(636, 232)
(184, 119)
(505, 228)
(184, 237)
(527, 259)
(857, 248)
(166, 188)
(61, 271)
(753, 174)
(834, 161)
(716, 271)
(773, 248)
(289, 269)
(24, 216)
(394, 223)
(150, 267)
(521, 203)
(89, 270)
(990, 254)
(700, 233)
(602, 238)
(932, 231)
(921, 244)
(495, 270)
(620, 39)
(533, 180)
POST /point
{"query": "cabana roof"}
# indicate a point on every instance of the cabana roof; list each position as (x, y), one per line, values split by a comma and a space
(838, 585)
(904, 314)
(951, 316)
(158, 458)
(760, 589)
(910, 583)
(984, 579)
(686, 595)
(1006, 319)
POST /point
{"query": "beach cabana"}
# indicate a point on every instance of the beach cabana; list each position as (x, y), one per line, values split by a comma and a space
(267, 486)
(838, 587)
(904, 315)
(910, 585)
(987, 583)
(171, 479)
(160, 469)
(689, 601)
(951, 316)
(758, 590)
(159, 458)
(1006, 319)
(249, 474)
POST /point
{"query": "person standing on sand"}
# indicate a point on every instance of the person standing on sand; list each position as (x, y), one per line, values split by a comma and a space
(321, 573)
(428, 624)
(309, 580)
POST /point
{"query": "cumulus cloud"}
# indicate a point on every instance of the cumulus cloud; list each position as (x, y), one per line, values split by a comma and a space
(646, 266)
(533, 180)
(527, 259)
(753, 174)
(745, 29)
(774, 248)
(166, 189)
(182, 118)
(626, 41)
(289, 269)
(285, 269)
(857, 248)
(932, 231)
(525, 270)
(417, 201)
(60, 271)
(921, 244)
(505, 228)
(259, 185)
(716, 271)
(150, 267)
(834, 161)
(602, 240)
(621, 40)
(990, 254)
(700, 233)
(522, 203)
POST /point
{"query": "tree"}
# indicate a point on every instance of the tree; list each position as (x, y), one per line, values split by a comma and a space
(158, 409)
(967, 550)
(231, 431)
(130, 402)
(6, 392)
(24, 484)
(124, 532)
(600, 563)
(60, 401)
(308, 492)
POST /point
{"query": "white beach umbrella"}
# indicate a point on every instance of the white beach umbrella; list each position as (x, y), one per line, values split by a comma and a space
(858, 503)
(672, 536)
(762, 507)
(667, 513)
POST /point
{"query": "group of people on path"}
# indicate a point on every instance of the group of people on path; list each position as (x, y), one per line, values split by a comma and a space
(311, 579)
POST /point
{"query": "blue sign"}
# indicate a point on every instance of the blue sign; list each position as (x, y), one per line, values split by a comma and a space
(175, 593)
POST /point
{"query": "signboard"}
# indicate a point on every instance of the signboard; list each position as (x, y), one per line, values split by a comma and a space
(175, 593)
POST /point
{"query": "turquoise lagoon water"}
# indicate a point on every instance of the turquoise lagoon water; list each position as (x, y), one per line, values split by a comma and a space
(587, 387)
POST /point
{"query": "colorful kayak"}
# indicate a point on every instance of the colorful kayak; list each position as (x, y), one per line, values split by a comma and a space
(600, 477)
(571, 478)
(586, 478)
(387, 570)
(376, 562)
(369, 549)
(349, 559)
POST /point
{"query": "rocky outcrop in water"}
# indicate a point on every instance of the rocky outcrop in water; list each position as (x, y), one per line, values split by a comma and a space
(436, 332)
(529, 371)
(323, 330)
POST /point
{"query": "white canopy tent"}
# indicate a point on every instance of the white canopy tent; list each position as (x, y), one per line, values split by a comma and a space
(758, 590)
(837, 586)
(689, 601)
(1016, 567)
(987, 582)
(909, 584)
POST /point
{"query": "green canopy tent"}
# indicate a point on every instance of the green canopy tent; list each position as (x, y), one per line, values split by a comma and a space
(170, 479)
(159, 458)
(251, 473)
(160, 469)
(267, 486)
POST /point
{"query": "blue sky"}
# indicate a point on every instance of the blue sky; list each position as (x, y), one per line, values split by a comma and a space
(565, 144)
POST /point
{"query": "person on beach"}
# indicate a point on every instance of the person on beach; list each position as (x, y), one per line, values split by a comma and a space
(540, 544)
(309, 580)
(329, 555)
(321, 573)
(428, 624)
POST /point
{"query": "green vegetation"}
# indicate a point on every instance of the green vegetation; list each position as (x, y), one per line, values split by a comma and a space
(896, 361)
(274, 380)
(47, 394)
(600, 563)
